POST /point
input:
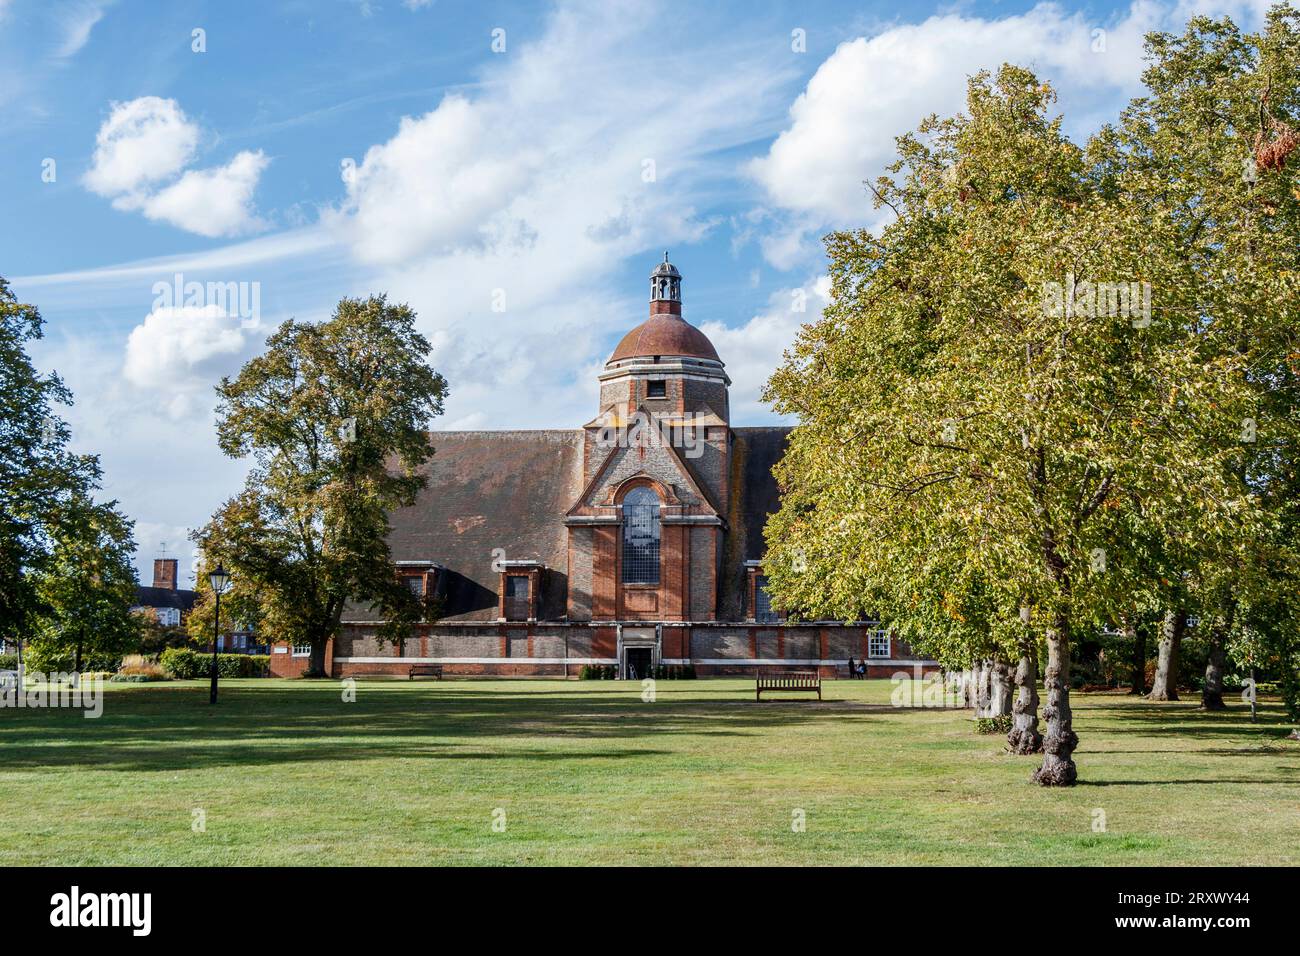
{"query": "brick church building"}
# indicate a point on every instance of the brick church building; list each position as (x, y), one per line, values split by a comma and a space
(635, 540)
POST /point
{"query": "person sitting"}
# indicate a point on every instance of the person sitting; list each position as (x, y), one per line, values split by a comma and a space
(862, 670)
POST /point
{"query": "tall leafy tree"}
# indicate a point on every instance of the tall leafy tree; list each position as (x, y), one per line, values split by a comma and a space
(1212, 153)
(967, 388)
(40, 479)
(333, 417)
(88, 586)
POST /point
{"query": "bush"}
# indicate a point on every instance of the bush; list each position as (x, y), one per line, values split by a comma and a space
(53, 663)
(1000, 724)
(183, 663)
(137, 666)
(8, 662)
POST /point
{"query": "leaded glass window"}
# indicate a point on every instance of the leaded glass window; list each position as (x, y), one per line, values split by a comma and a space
(641, 537)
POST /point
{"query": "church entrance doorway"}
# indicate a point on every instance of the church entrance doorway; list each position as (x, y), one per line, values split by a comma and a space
(638, 652)
(637, 662)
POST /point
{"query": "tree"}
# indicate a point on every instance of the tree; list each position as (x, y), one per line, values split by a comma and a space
(1211, 152)
(990, 374)
(242, 608)
(88, 586)
(40, 480)
(334, 417)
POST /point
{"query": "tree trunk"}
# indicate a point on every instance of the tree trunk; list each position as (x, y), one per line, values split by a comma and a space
(1058, 768)
(1138, 682)
(1000, 689)
(1024, 737)
(76, 663)
(1165, 686)
(983, 691)
(316, 662)
(1212, 690)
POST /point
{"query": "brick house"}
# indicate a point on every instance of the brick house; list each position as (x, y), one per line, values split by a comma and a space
(633, 541)
(169, 602)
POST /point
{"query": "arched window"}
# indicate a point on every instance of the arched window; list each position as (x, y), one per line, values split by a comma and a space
(641, 537)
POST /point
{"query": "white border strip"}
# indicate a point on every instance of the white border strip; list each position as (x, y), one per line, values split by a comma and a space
(475, 660)
(735, 661)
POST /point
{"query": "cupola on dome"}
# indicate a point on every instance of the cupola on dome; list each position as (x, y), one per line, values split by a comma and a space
(665, 333)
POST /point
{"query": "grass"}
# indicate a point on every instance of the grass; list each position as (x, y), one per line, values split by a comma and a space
(585, 772)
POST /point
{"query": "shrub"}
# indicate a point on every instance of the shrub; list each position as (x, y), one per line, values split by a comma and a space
(8, 662)
(183, 663)
(52, 663)
(1000, 724)
(139, 666)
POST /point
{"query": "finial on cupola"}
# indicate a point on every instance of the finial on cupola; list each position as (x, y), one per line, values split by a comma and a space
(666, 289)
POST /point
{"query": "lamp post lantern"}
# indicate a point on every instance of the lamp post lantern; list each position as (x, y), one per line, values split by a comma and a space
(220, 580)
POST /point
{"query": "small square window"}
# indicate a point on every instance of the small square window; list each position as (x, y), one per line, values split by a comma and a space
(415, 582)
(656, 388)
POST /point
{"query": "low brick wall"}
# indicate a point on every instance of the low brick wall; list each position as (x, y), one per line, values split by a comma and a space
(552, 649)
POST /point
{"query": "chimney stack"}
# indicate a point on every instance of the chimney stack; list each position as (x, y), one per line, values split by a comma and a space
(164, 573)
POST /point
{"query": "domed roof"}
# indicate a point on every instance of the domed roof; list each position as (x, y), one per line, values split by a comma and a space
(665, 334)
(666, 268)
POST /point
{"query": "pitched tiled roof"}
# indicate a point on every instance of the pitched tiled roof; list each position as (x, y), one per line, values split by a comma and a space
(164, 597)
(489, 490)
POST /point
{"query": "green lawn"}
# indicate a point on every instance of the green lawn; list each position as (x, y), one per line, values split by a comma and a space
(586, 773)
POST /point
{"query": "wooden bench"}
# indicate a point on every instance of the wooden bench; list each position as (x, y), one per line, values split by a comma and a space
(425, 670)
(787, 681)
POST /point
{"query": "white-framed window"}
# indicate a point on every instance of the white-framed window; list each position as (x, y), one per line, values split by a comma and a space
(878, 644)
(168, 616)
(302, 650)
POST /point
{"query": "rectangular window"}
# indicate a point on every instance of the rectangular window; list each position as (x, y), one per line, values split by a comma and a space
(656, 388)
(302, 650)
(763, 612)
(415, 582)
(516, 597)
(878, 644)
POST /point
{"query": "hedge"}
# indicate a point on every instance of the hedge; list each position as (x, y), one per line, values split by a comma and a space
(34, 660)
(183, 663)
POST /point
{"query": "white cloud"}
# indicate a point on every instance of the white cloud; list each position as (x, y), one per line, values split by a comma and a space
(753, 351)
(565, 161)
(212, 202)
(143, 141)
(872, 89)
(75, 21)
(146, 142)
(436, 185)
(179, 353)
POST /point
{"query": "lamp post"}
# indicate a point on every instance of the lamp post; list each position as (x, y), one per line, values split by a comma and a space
(220, 580)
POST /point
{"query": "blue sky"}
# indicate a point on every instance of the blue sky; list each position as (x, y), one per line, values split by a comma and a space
(331, 148)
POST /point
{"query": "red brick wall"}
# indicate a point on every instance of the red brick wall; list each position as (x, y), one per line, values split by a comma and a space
(286, 665)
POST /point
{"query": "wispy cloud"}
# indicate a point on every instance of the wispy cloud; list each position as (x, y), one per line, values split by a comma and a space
(75, 22)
